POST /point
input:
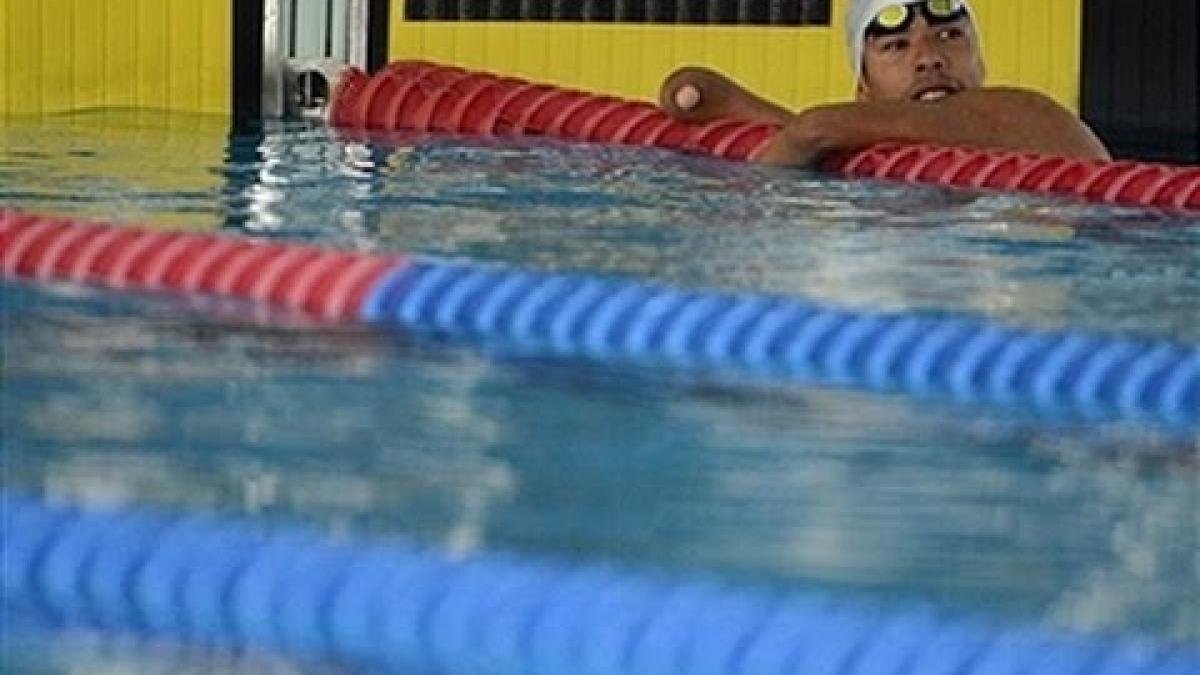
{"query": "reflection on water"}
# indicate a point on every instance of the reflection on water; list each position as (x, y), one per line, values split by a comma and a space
(139, 166)
(41, 653)
(214, 406)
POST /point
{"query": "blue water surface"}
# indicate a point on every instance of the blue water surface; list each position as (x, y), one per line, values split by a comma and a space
(193, 404)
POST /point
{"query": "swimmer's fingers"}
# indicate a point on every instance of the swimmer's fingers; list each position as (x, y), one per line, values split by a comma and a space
(686, 93)
(687, 97)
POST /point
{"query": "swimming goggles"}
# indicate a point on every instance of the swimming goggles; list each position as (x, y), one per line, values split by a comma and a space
(897, 18)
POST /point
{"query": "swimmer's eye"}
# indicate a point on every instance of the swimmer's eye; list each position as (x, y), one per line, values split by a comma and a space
(950, 33)
(897, 45)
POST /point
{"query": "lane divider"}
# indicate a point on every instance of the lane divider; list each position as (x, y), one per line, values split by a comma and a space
(219, 581)
(1060, 373)
(424, 96)
(327, 284)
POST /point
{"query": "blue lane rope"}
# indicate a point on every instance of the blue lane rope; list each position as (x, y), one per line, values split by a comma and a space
(1093, 376)
(213, 581)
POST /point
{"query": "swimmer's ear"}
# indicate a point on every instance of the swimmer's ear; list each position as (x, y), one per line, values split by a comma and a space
(863, 91)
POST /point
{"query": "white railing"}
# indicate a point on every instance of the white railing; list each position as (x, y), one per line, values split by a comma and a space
(305, 43)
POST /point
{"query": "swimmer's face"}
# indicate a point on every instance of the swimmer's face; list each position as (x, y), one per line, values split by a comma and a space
(922, 63)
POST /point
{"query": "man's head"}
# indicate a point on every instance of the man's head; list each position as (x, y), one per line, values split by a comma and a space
(913, 50)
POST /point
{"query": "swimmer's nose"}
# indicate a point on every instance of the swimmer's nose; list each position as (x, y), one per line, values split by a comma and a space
(929, 56)
(933, 62)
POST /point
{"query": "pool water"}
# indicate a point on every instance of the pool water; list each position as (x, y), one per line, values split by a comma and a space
(199, 405)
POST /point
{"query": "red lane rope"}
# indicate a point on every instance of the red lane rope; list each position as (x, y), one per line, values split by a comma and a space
(423, 96)
(1133, 183)
(329, 284)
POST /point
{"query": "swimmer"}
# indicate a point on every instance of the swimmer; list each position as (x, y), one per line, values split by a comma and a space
(920, 77)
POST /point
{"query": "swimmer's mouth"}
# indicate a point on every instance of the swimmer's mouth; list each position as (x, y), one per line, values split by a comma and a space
(934, 94)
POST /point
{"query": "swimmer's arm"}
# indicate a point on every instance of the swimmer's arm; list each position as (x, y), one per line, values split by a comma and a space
(1013, 119)
(699, 95)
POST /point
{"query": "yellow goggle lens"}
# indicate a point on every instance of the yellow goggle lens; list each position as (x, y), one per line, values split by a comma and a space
(942, 8)
(897, 17)
(892, 16)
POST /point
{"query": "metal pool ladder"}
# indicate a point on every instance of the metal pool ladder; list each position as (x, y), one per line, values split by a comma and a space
(305, 44)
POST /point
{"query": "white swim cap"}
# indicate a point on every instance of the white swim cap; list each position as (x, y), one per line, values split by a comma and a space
(860, 15)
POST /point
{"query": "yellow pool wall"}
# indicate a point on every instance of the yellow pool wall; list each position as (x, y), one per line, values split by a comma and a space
(59, 55)
(1030, 43)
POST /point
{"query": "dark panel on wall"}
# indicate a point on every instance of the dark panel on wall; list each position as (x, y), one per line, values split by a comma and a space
(1141, 71)
(744, 12)
(247, 59)
(378, 21)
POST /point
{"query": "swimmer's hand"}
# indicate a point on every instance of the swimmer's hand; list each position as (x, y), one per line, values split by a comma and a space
(700, 95)
(686, 98)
